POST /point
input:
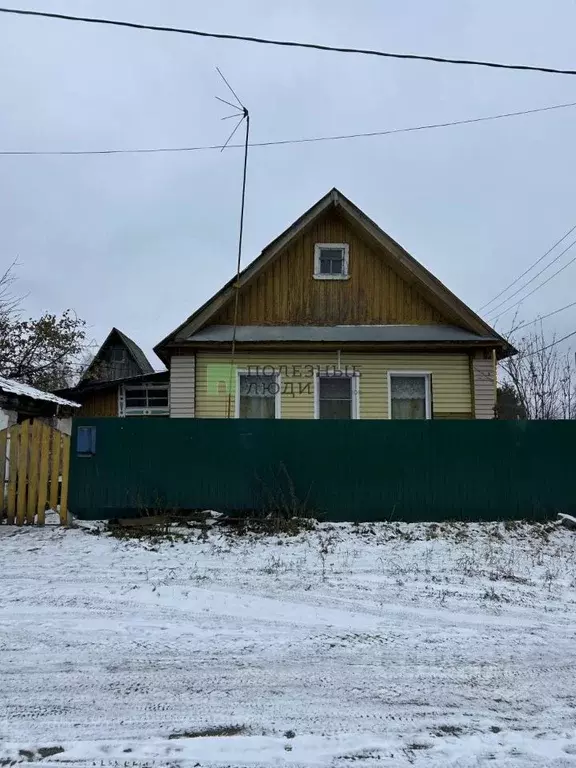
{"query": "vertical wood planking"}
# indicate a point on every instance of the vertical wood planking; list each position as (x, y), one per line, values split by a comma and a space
(13, 473)
(65, 477)
(33, 472)
(46, 434)
(22, 472)
(3, 447)
(287, 293)
(54, 470)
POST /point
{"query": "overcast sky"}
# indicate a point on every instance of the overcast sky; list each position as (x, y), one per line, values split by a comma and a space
(140, 241)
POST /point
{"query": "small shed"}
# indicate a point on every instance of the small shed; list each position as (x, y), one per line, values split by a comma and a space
(19, 402)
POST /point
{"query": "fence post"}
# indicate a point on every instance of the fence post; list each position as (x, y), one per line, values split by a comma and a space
(46, 434)
(14, 446)
(22, 473)
(65, 479)
(3, 446)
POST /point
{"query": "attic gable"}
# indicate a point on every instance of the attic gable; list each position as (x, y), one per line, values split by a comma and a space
(119, 357)
(413, 289)
(286, 291)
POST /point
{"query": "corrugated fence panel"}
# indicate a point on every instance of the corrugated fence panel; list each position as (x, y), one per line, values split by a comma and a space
(342, 470)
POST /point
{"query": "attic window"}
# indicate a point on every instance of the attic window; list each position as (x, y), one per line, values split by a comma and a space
(331, 261)
(118, 355)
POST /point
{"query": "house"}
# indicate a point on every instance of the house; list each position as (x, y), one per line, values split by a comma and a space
(120, 381)
(334, 319)
(19, 402)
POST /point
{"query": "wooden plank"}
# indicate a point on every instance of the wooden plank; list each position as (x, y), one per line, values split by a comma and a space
(14, 442)
(3, 444)
(54, 470)
(65, 478)
(46, 435)
(22, 472)
(33, 472)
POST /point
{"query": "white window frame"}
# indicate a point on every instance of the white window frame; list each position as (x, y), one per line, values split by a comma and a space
(426, 375)
(319, 247)
(277, 396)
(143, 385)
(355, 392)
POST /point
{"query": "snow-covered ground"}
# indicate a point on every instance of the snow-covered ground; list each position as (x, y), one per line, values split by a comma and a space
(371, 645)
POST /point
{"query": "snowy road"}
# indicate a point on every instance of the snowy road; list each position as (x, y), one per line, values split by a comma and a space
(366, 645)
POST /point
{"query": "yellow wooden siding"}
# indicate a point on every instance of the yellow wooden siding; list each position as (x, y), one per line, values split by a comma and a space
(286, 292)
(101, 402)
(450, 380)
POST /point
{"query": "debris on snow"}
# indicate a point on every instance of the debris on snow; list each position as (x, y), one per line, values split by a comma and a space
(568, 521)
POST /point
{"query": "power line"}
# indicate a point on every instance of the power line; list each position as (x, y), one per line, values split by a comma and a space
(530, 268)
(548, 346)
(542, 317)
(387, 132)
(289, 43)
(528, 282)
(505, 311)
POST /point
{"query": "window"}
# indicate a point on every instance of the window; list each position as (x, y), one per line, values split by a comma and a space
(145, 400)
(331, 261)
(336, 397)
(117, 355)
(409, 396)
(258, 396)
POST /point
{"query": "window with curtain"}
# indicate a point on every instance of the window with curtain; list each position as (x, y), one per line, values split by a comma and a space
(409, 396)
(335, 397)
(257, 396)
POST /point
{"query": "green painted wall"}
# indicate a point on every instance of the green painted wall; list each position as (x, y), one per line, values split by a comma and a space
(344, 470)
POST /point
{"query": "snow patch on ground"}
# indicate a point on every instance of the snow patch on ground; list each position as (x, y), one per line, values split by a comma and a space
(370, 645)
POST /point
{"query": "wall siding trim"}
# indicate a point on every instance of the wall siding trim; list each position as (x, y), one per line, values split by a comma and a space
(484, 388)
(182, 386)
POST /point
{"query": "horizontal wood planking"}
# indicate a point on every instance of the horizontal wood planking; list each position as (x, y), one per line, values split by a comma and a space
(182, 377)
(450, 380)
(287, 293)
(484, 388)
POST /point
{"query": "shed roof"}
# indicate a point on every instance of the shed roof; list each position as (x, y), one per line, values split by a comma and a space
(12, 387)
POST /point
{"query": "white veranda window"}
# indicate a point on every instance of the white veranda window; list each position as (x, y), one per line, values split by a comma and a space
(258, 396)
(145, 400)
(409, 396)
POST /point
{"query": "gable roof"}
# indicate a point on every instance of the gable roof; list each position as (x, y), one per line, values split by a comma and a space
(434, 290)
(134, 350)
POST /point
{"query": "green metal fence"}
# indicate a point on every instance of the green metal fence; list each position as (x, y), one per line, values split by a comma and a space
(340, 470)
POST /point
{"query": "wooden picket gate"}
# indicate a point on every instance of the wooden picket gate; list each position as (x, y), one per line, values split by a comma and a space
(34, 470)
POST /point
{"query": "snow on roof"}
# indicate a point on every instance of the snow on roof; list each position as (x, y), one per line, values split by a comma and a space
(25, 390)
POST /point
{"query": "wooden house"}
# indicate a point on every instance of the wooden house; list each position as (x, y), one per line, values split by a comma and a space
(334, 319)
(120, 381)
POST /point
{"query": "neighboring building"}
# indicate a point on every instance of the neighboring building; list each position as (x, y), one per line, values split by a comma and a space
(120, 381)
(19, 402)
(334, 320)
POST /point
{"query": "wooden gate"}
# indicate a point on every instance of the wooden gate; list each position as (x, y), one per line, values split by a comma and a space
(34, 470)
